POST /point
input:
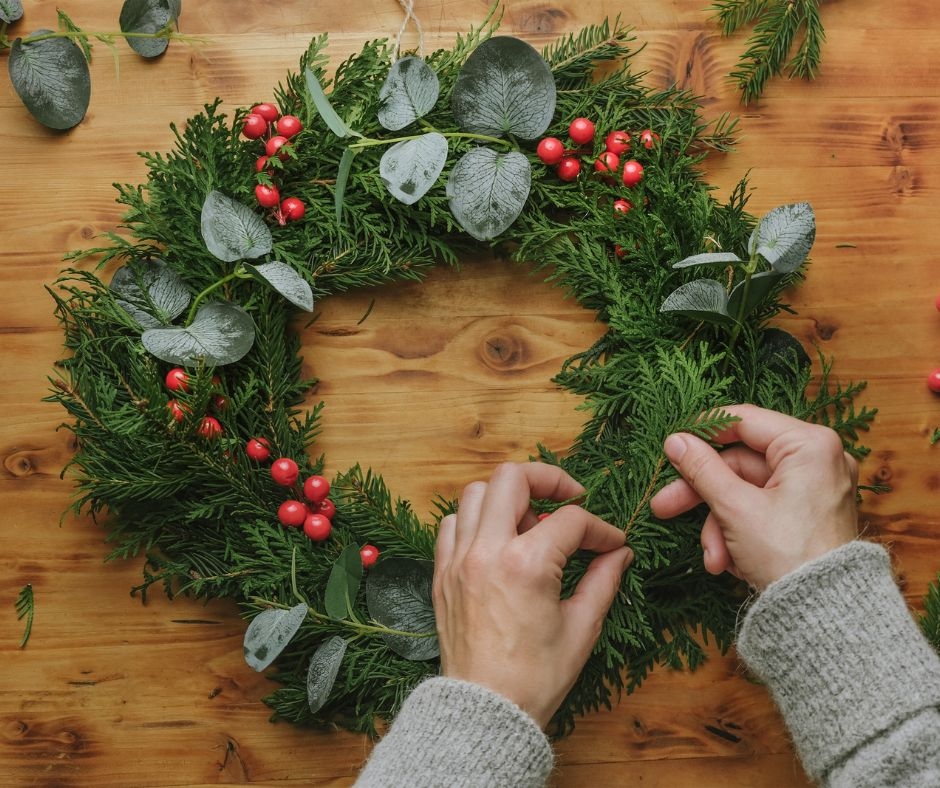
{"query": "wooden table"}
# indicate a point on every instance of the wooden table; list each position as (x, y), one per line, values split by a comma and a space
(444, 380)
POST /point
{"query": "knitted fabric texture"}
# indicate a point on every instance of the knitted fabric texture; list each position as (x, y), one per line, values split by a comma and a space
(454, 733)
(846, 664)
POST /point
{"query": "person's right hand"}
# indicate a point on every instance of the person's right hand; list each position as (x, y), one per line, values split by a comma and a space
(782, 496)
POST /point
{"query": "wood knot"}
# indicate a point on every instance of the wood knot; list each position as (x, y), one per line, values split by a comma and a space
(902, 182)
(544, 19)
(893, 136)
(825, 331)
(20, 464)
(502, 351)
(882, 475)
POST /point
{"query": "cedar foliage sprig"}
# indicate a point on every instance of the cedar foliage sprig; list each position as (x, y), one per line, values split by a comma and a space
(202, 513)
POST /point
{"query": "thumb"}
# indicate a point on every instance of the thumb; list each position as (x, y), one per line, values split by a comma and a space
(703, 468)
(586, 607)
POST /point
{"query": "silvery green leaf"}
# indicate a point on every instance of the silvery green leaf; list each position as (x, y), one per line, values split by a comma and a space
(700, 299)
(221, 333)
(233, 231)
(343, 583)
(412, 167)
(505, 87)
(398, 596)
(10, 10)
(785, 236)
(51, 78)
(286, 281)
(488, 190)
(752, 241)
(148, 16)
(745, 296)
(151, 293)
(321, 675)
(269, 633)
(709, 258)
(410, 91)
(342, 178)
(333, 121)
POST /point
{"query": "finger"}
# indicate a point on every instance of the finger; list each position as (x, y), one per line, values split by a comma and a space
(851, 465)
(585, 609)
(704, 470)
(717, 558)
(572, 528)
(446, 541)
(757, 427)
(468, 515)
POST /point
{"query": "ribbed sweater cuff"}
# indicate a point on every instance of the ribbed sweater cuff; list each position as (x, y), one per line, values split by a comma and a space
(842, 656)
(455, 733)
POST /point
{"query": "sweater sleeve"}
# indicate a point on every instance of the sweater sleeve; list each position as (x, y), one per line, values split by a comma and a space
(856, 681)
(459, 734)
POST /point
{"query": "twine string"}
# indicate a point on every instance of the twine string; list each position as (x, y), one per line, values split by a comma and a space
(408, 7)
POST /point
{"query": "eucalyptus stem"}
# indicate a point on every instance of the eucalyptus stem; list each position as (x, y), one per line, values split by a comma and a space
(372, 142)
(236, 274)
(739, 317)
(104, 35)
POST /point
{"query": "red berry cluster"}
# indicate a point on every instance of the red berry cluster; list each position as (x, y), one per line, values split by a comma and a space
(177, 381)
(265, 121)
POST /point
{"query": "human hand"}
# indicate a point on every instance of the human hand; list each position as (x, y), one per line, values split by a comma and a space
(497, 586)
(781, 497)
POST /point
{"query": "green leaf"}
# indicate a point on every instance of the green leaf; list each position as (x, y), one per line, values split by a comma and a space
(398, 595)
(342, 178)
(269, 633)
(10, 10)
(410, 91)
(412, 167)
(333, 121)
(233, 231)
(709, 258)
(487, 191)
(150, 292)
(343, 583)
(221, 333)
(25, 608)
(66, 25)
(148, 16)
(785, 236)
(505, 87)
(747, 295)
(51, 78)
(776, 345)
(321, 675)
(700, 299)
(286, 281)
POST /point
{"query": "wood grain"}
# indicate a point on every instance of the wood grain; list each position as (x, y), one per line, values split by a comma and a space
(443, 380)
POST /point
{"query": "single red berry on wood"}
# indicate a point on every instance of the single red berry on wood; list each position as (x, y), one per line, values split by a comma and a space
(267, 111)
(581, 131)
(254, 126)
(607, 162)
(617, 142)
(258, 449)
(292, 513)
(327, 508)
(550, 150)
(292, 209)
(648, 138)
(369, 554)
(209, 427)
(177, 379)
(568, 168)
(316, 488)
(937, 303)
(622, 206)
(289, 126)
(284, 471)
(178, 410)
(632, 173)
(267, 196)
(276, 146)
(317, 527)
(933, 381)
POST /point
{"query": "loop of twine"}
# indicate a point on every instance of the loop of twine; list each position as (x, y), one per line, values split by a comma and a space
(408, 6)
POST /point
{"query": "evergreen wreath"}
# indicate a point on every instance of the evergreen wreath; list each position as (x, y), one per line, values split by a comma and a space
(182, 381)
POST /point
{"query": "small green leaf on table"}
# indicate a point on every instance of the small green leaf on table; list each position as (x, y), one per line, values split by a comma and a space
(321, 675)
(286, 281)
(398, 595)
(221, 333)
(51, 78)
(269, 633)
(411, 167)
(150, 292)
(25, 608)
(409, 92)
(343, 583)
(487, 191)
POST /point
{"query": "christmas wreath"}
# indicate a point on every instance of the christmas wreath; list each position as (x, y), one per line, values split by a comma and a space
(182, 381)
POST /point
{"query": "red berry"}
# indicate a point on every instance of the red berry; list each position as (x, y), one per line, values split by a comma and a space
(316, 488)
(581, 131)
(317, 527)
(632, 173)
(648, 138)
(275, 145)
(327, 508)
(177, 379)
(933, 381)
(209, 427)
(622, 206)
(369, 555)
(267, 111)
(178, 410)
(293, 209)
(258, 449)
(292, 513)
(220, 402)
(568, 168)
(550, 150)
(617, 142)
(619, 250)
(284, 471)
(937, 303)
(261, 162)
(607, 162)
(267, 196)
(254, 126)
(289, 126)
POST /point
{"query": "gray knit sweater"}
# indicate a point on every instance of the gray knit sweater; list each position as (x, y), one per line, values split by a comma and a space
(858, 686)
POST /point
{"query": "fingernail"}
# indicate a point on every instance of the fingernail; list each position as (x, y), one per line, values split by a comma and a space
(674, 447)
(628, 558)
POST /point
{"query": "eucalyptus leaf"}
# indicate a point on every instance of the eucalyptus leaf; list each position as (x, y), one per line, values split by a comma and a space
(342, 178)
(700, 299)
(321, 675)
(333, 121)
(487, 191)
(343, 583)
(221, 333)
(51, 78)
(410, 91)
(505, 87)
(398, 595)
(10, 10)
(785, 235)
(747, 295)
(269, 633)
(150, 292)
(148, 16)
(709, 258)
(286, 281)
(412, 167)
(778, 346)
(233, 231)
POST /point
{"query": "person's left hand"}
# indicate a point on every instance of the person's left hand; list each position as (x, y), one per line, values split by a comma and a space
(497, 586)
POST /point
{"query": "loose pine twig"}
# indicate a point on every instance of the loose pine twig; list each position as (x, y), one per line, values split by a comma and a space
(24, 609)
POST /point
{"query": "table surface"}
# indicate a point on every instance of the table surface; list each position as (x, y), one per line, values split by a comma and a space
(445, 379)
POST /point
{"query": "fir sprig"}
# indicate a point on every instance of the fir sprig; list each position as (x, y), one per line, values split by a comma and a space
(25, 608)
